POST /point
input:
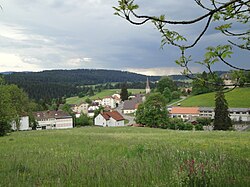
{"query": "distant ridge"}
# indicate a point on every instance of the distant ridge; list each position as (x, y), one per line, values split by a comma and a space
(58, 83)
(78, 76)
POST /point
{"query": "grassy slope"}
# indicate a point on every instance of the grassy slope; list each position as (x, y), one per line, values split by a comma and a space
(104, 93)
(239, 97)
(124, 157)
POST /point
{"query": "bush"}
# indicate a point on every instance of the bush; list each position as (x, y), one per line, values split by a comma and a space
(83, 120)
(204, 121)
(4, 128)
(188, 127)
(199, 127)
(174, 123)
(179, 124)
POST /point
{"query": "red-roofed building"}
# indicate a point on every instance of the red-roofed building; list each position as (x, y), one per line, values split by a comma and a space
(109, 119)
(185, 113)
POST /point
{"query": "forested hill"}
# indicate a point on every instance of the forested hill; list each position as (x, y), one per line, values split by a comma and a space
(77, 77)
(58, 83)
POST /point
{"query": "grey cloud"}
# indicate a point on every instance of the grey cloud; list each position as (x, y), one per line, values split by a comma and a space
(79, 29)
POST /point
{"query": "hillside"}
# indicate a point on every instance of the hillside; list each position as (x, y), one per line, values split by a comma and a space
(126, 156)
(78, 76)
(58, 83)
(104, 93)
(237, 98)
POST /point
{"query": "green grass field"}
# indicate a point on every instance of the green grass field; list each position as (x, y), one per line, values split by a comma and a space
(104, 93)
(126, 156)
(237, 98)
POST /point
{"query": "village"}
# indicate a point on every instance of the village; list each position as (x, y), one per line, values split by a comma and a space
(115, 111)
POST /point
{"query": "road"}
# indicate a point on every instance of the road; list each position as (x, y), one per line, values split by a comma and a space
(179, 101)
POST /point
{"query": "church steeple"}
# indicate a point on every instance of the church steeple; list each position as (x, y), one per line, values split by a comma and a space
(147, 87)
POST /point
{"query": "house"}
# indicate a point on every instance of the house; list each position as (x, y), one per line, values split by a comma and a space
(185, 113)
(81, 108)
(98, 101)
(240, 114)
(236, 114)
(109, 101)
(227, 80)
(117, 98)
(91, 110)
(23, 124)
(206, 112)
(130, 106)
(109, 119)
(53, 120)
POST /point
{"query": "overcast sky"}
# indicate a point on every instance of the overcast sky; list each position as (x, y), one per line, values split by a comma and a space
(39, 35)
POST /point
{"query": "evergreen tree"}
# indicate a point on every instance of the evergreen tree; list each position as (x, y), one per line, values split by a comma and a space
(222, 120)
(124, 92)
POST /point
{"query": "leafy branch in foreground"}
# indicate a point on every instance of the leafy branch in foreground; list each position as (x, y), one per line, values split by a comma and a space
(228, 14)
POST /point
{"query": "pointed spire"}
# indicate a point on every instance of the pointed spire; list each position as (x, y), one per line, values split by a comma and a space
(147, 87)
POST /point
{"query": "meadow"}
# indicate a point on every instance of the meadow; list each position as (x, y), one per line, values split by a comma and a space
(102, 94)
(238, 98)
(126, 156)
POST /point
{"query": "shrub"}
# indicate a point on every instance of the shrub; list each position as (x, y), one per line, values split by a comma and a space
(199, 127)
(174, 123)
(204, 121)
(188, 126)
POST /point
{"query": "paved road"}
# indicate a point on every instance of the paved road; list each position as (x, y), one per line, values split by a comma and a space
(179, 101)
(130, 118)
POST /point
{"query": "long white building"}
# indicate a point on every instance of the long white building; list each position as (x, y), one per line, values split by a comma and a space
(53, 120)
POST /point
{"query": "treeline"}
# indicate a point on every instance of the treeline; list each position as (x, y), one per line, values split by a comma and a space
(77, 77)
(46, 85)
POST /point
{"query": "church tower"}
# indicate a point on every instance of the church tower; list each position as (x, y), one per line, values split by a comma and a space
(147, 87)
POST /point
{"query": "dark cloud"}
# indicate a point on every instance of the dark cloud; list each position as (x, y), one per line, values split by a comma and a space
(67, 34)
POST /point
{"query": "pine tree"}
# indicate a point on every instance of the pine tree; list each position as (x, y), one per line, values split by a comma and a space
(222, 120)
(124, 92)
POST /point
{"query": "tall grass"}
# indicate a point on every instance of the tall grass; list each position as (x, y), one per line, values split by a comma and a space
(124, 157)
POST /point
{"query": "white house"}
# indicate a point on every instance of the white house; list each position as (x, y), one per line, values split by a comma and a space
(53, 120)
(98, 101)
(117, 98)
(227, 79)
(81, 108)
(91, 110)
(23, 124)
(109, 119)
(130, 106)
(109, 101)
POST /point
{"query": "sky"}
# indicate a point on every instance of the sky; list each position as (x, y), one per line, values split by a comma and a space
(77, 34)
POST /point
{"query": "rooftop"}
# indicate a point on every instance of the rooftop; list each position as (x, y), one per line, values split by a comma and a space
(185, 110)
(114, 114)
